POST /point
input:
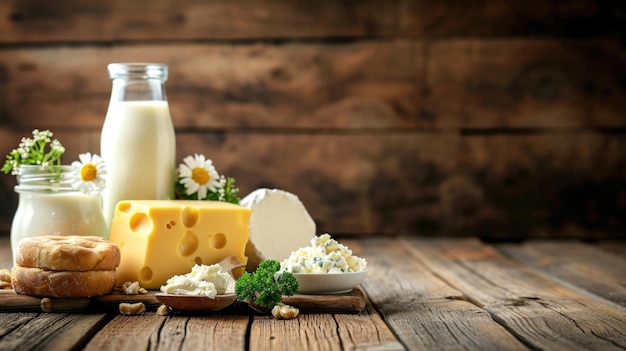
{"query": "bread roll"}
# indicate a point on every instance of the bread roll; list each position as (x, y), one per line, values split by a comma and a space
(68, 253)
(39, 282)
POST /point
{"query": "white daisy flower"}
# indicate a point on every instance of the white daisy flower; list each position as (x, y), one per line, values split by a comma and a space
(89, 173)
(199, 175)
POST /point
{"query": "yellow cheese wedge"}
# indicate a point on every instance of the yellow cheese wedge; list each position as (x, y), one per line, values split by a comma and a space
(162, 238)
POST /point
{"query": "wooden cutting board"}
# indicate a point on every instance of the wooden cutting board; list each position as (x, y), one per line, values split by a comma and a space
(351, 302)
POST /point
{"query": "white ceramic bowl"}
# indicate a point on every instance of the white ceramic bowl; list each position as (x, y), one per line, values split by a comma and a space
(328, 283)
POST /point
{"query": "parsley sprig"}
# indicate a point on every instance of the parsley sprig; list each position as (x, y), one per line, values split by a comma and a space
(261, 288)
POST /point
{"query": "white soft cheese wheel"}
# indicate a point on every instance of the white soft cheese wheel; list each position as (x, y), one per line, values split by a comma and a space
(279, 225)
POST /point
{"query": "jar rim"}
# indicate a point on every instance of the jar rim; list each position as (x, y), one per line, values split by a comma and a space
(44, 178)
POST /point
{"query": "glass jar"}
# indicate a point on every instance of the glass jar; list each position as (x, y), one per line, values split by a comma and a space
(48, 205)
(137, 142)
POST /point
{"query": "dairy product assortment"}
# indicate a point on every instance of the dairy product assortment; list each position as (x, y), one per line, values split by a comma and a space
(324, 255)
(162, 240)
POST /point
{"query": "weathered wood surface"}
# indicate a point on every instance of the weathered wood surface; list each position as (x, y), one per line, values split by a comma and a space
(151, 331)
(48, 331)
(537, 310)
(617, 247)
(423, 310)
(33, 21)
(404, 183)
(463, 83)
(423, 294)
(323, 332)
(584, 266)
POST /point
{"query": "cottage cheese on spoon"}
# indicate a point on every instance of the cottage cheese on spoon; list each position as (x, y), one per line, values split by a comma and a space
(203, 280)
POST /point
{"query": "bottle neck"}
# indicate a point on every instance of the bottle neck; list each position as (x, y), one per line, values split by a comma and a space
(125, 89)
(138, 81)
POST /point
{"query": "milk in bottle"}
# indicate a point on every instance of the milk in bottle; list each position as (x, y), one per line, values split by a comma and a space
(137, 141)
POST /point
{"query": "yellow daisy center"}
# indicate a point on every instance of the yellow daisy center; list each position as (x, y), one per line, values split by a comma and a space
(200, 175)
(88, 172)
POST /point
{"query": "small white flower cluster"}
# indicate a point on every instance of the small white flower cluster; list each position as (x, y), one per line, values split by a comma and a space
(220, 188)
(30, 151)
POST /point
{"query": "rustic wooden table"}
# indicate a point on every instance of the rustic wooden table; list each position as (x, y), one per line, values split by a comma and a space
(423, 294)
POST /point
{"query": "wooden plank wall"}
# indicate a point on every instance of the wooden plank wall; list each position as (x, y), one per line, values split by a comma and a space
(499, 119)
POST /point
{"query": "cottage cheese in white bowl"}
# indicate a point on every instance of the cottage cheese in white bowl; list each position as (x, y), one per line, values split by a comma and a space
(325, 267)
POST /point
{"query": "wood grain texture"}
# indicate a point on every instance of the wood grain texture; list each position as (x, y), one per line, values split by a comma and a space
(322, 332)
(52, 331)
(423, 310)
(102, 21)
(366, 331)
(581, 265)
(463, 83)
(410, 183)
(446, 184)
(539, 311)
(360, 85)
(33, 21)
(11, 321)
(128, 333)
(617, 247)
(311, 331)
(524, 83)
(203, 333)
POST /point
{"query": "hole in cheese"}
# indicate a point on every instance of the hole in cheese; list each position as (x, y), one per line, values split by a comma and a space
(123, 207)
(188, 244)
(198, 260)
(140, 223)
(190, 216)
(145, 274)
(218, 240)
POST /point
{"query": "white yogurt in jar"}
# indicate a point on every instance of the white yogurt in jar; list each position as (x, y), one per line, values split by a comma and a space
(57, 213)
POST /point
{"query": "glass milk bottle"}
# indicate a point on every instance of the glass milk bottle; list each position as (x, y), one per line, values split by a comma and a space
(137, 141)
(49, 205)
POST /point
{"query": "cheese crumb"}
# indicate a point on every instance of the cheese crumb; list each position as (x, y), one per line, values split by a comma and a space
(325, 255)
(202, 280)
(133, 288)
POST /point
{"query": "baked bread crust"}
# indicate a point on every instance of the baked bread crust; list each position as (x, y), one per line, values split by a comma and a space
(68, 253)
(39, 282)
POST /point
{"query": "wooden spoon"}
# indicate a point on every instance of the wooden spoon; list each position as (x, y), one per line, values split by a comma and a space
(204, 303)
